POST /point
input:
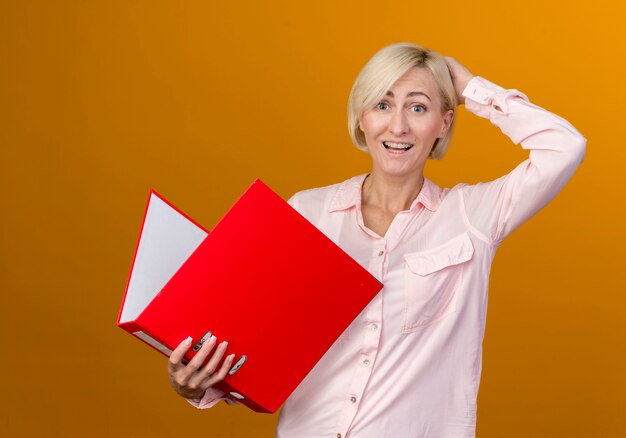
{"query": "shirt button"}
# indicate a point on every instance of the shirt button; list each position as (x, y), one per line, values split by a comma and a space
(366, 362)
(381, 253)
(374, 327)
(485, 97)
(338, 435)
(353, 399)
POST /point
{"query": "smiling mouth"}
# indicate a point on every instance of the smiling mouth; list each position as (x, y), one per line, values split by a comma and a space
(397, 146)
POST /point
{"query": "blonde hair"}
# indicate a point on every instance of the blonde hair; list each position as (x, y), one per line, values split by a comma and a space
(387, 66)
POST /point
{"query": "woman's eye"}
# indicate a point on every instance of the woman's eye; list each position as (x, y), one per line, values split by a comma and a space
(418, 108)
(382, 106)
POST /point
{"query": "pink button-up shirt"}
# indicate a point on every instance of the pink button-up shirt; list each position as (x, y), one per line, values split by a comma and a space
(409, 365)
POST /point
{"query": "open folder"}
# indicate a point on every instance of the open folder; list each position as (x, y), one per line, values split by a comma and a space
(265, 279)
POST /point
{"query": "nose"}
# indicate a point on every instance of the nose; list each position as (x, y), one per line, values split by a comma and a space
(398, 124)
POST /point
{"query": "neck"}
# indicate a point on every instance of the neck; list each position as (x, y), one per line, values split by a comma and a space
(389, 193)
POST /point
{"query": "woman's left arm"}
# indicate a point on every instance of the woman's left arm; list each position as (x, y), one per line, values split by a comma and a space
(556, 148)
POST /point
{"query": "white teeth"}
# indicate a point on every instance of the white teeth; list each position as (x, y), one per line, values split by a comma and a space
(397, 146)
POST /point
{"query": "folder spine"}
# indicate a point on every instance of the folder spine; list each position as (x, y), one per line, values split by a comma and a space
(139, 330)
(228, 389)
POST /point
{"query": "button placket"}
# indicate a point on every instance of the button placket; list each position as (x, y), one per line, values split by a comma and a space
(364, 368)
(379, 259)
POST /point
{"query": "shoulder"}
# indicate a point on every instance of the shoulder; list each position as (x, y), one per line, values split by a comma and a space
(318, 195)
(314, 202)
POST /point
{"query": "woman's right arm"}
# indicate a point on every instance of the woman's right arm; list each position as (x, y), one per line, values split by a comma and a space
(195, 380)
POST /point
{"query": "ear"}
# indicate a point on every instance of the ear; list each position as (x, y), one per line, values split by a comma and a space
(448, 117)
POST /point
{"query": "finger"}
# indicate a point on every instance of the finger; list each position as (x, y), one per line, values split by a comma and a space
(176, 358)
(197, 361)
(211, 366)
(199, 379)
(209, 369)
(221, 374)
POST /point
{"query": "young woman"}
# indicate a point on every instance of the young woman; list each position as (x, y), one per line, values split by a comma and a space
(409, 365)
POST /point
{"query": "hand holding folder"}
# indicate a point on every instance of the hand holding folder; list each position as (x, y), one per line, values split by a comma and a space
(191, 380)
(265, 279)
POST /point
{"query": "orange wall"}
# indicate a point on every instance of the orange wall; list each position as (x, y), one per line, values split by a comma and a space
(100, 101)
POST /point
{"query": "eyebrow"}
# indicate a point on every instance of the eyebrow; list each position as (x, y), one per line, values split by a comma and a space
(411, 94)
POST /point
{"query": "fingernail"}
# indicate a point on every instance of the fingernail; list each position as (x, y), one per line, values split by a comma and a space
(187, 342)
(231, 357)
(212, 340)
(224, 344)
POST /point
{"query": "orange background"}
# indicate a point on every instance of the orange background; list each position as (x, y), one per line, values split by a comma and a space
(101, 101)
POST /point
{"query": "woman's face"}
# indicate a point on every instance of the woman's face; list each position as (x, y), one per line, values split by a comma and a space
(402, 128)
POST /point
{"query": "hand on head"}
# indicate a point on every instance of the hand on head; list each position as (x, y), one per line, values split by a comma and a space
(460, 77)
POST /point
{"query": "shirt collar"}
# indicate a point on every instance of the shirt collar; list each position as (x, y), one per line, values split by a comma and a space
(349, 195)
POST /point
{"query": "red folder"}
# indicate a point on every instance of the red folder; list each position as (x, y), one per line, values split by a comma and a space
(265, 279)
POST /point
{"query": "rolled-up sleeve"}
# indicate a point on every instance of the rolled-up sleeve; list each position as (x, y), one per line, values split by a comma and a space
(211, 397)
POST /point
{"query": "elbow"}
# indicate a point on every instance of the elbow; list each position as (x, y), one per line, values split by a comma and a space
(573, 143)
(583, 148)
(574, 146)
(579, 149)
(577, 143)
(562, 159)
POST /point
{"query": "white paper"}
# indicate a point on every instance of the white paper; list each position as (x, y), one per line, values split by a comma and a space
(168, 238)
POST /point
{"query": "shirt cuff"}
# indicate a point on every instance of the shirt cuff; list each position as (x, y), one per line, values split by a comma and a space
(483, 97)
(210, 398)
